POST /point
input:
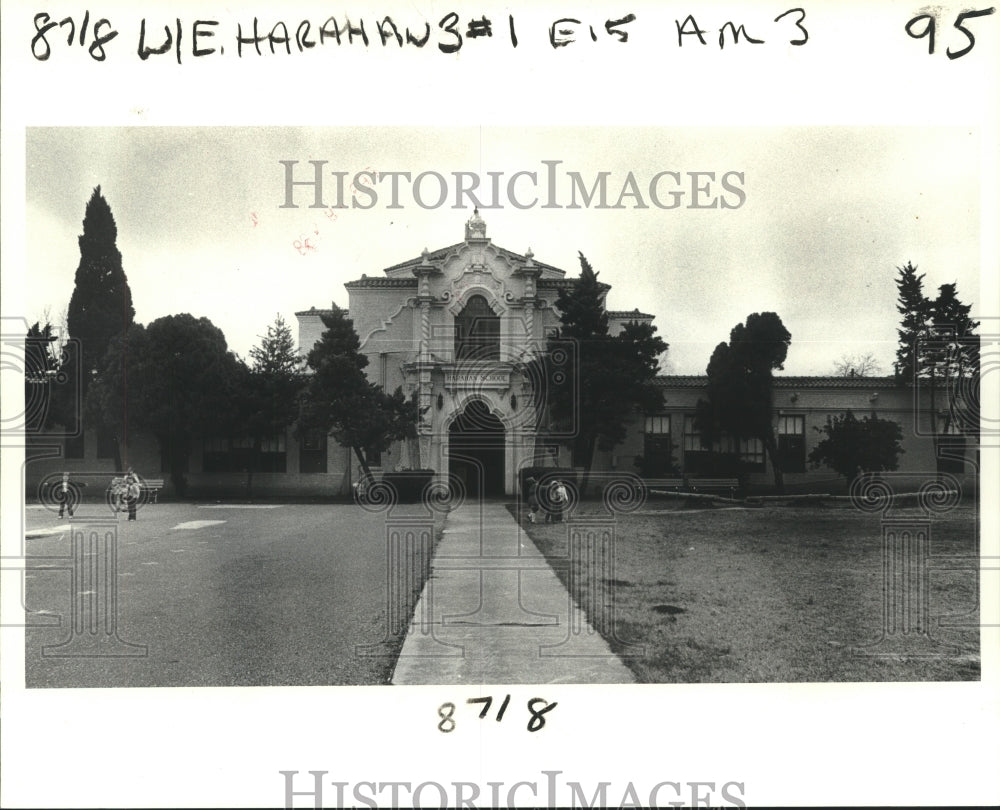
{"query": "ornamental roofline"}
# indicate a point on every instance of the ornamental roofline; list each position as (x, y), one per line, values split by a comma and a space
(404, 282)
(441, 253)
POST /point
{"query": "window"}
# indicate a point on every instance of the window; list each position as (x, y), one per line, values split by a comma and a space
(312, 452)
(477, 331)
(657, 447)
(697, 458)
(221, 454)
(273, 456)
(215, 455)
(726, 456)
(692, 436)
(751, 452)
(241, 454)
(792, 443)
(657, 425)
(951, 448)
(656, 437)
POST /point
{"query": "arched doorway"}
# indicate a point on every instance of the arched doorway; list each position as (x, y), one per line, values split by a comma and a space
(476, 450)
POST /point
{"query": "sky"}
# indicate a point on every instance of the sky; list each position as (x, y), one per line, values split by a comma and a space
(829, 214)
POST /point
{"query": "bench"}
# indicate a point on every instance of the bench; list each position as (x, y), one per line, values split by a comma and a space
(675, 484)
(694, 484)
(152, 486)
(715, 483)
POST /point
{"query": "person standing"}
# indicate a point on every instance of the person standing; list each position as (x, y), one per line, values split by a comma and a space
(532, 486)
(558, 497)
(67, 494)
(132, 492)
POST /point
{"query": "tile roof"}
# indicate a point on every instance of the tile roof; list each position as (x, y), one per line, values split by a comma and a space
(564, 284)
(834, 382)
(700, 381)
(620, 313)
(381, 282)
(314, 311)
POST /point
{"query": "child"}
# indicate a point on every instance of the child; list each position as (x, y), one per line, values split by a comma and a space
(67, 495)
(532, 485)
(132, 492)
(558, 497)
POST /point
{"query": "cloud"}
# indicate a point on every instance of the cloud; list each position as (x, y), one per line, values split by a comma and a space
(830, 213)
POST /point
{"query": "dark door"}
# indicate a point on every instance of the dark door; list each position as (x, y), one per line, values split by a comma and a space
(476, 450)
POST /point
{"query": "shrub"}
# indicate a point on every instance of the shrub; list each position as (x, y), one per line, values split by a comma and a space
(408, 484)
(853, 446)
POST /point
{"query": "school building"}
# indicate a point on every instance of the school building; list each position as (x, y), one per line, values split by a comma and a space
(460, 326)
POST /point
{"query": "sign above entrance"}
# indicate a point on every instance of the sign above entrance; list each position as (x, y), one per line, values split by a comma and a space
(477, 379)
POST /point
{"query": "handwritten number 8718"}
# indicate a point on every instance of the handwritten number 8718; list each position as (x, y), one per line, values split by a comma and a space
(925, 25)
(446, 711)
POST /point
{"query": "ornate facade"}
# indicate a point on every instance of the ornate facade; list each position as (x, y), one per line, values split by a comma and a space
(460, 326)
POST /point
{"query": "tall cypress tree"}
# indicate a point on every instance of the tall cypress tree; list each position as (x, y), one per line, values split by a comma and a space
(612, 377)
(913, 305)
(582, 314)
(101, 305)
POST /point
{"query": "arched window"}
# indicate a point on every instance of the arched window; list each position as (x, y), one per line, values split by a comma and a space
(477, 331)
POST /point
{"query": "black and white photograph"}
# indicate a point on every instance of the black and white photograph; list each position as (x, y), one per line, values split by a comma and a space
(476, 460)
(412, 454)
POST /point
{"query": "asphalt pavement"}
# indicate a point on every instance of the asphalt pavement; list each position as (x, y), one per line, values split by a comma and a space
(210, 595)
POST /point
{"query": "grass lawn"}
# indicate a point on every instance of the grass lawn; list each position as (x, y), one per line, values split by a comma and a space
(774, 594)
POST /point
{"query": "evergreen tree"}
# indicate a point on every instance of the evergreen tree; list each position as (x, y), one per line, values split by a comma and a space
(40, 367)
(341, 401)
(581, 307)
(269, 389)
(952, 357)
(101, 304)
(740, 400)
(52, 388)
(612, 378)
(939, 351)
(954, 353)
(276, 353)
(913, 305)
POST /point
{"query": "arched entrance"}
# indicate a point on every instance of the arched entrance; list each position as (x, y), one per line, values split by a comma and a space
(476, 450)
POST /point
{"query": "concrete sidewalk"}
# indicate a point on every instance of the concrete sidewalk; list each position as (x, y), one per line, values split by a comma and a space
(494, 612)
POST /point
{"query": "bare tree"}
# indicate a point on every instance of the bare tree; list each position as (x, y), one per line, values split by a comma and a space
(60, 327)
(857, 365)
